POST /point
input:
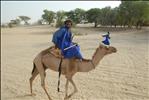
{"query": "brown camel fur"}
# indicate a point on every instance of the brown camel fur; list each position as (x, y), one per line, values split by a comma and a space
(69, 67)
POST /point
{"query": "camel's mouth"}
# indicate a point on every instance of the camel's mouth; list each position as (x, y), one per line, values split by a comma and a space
(110, 49)
(114, 50)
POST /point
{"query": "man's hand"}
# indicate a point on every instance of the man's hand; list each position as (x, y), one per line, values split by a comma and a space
(70, 47)
(75, 44)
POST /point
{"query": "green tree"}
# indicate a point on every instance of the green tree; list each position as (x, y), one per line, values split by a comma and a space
(93, 16)
(48, 16)
(105, 16)
(79, 15)
(60, 17)
(114, 16)
(76, 15)
(141, 15)
(129, 10)
(134, 13)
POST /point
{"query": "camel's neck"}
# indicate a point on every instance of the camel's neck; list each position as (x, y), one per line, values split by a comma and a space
(98, 57)
(86, 66)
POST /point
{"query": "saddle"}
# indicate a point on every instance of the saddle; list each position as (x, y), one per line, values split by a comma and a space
(56, 52)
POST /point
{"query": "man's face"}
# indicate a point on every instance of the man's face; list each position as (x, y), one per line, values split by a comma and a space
(68, 24)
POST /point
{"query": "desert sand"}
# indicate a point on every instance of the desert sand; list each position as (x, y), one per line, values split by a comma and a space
(120, 76)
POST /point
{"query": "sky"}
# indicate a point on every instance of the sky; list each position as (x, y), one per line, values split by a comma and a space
(34, 9)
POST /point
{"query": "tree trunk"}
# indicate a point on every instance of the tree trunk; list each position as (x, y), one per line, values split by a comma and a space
(129, 25)
(115, 25)
(139, 25)
(95, 24)
(121, 26)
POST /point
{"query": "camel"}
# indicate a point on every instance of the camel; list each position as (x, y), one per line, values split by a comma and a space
(69, 67)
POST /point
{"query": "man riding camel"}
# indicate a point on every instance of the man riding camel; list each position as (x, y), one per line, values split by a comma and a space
(62, 39)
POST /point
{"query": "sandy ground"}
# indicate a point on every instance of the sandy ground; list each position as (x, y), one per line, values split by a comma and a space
(120, 76)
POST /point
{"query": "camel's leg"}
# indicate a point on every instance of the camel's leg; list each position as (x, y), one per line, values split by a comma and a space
(66, 88)
(75, 88)
(42, 75)
(34, 74)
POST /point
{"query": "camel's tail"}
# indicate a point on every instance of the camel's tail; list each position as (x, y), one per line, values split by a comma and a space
(34, 66)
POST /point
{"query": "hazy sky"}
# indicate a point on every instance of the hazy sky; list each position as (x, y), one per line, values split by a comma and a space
(34, 9)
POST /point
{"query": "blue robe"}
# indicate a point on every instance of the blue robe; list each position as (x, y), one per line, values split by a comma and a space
(63, 39)
(106, 41)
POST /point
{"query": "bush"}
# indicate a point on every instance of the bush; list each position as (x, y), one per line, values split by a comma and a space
(59, 23)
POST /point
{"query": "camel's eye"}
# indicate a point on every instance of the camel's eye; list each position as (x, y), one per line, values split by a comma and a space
(107, 48)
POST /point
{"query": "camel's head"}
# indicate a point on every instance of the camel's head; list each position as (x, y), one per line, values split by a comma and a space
(107, 50)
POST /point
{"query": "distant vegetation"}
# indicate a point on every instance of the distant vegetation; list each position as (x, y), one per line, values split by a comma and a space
(128, 14)
(25, 19)
(48, 16)
(17, 21)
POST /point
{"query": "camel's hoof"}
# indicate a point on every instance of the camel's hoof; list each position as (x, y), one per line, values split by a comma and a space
(33, 94)
(69, 96)
(66, 98)
(50, 98)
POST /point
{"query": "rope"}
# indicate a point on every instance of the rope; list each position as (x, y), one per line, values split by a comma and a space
(59, 70)
(93, 64)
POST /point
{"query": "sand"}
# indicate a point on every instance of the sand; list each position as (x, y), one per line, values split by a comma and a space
(120, 76)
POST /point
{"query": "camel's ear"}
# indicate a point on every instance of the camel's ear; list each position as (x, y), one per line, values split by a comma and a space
(100, 46)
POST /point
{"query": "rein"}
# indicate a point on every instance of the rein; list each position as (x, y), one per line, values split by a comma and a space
(92, 64)
(59, 70)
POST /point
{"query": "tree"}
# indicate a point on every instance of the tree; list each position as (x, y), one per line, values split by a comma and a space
(48, 16)
(40, 22)
(60, 17)
(129, 13)
(141, 14)
(14, 22)
(93, 16)
(76, 15)
(114, 16)
(134, 12)
(105, 16)
(79, 15)
(25, 19)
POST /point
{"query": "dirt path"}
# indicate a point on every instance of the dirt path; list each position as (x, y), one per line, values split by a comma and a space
(120, 76)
